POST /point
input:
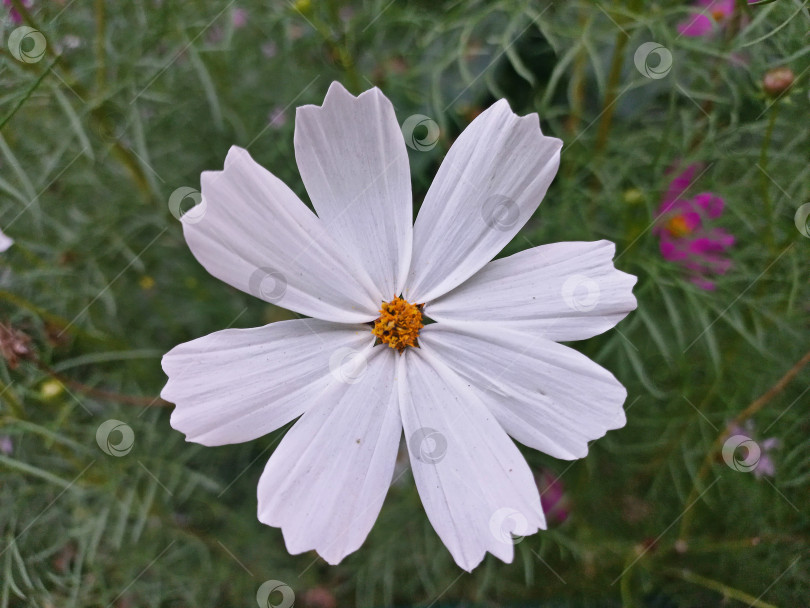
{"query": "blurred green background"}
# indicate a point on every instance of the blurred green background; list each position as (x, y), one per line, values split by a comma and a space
(132, 100)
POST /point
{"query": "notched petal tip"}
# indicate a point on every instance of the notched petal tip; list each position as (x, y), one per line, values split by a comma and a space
(236, 153)
(335, 94)
(336, 89)
(631, 285)
(605, 243)
(631, 279)
(531, 120)
(338, 94)
(621, 419)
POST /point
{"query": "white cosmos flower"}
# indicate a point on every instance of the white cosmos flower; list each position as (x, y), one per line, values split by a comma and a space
(489, 367)
(5, 241)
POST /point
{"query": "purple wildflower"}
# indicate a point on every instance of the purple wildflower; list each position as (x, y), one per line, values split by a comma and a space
(684, 236)
(552, 496)
(13, 14)
(712, 15)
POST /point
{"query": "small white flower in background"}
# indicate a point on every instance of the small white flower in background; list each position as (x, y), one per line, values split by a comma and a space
(489, 367)
(71, 41)
(5, 241)
(269, 49)
(277, 117)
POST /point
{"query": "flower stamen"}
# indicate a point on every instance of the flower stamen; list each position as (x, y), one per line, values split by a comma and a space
(399, 324)
(677, 226)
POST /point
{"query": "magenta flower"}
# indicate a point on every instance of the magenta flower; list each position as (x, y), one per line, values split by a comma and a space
(239, 18)
(13, 14)
(552, 496)
(712, 16)
(685, 238)
(6, 445)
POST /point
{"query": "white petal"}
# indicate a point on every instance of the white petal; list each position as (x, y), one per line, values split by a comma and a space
(475, 485)
(546, 395)
(255, 234)
(239, 384)
(354, 164)
(490, 183)
(326, 482)
(5, 241)
(562, 291)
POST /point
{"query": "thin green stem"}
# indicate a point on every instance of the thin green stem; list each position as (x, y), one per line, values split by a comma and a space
(11, 399)
(578, 83)
(120, 151)
(34, 86)
(616, 64)
(100, 45)
(609, 104)
(52, 319)
(98, 393)
(625, 590)
(725, 590)
(764, 178)
(341, 47)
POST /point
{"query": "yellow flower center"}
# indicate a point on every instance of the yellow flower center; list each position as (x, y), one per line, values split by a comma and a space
(718, 15)
(399, 323)
(677, 226)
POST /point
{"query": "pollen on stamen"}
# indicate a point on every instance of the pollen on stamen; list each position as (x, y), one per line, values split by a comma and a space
(399, 324)
(677, 226)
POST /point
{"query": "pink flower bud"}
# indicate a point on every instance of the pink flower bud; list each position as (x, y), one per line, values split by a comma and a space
(777, 81)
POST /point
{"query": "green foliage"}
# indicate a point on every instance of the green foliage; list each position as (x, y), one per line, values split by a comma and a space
(132, 100)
